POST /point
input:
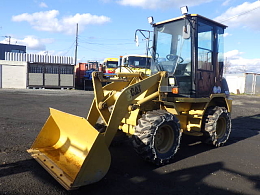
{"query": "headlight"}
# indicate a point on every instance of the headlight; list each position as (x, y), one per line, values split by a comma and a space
(172, 81)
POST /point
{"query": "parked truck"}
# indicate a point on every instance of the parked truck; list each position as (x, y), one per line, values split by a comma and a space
(110, 65)
(135, 63)
(83, 77)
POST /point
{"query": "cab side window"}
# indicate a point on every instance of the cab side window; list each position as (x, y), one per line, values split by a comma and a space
(205, 46)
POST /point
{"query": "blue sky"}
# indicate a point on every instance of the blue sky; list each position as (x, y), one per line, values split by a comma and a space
(107, 27)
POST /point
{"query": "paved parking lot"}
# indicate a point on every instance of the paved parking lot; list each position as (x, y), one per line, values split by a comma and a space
(197, 169)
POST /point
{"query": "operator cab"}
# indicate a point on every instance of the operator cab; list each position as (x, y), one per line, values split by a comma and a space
(190, 49)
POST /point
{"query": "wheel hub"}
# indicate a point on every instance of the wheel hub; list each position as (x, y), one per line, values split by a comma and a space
(221, 127)
(164, 139)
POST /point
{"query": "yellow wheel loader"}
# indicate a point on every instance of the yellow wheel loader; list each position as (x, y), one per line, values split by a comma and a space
(186, 93)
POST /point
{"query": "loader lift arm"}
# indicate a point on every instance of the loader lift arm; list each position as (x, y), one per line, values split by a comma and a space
(123, 95)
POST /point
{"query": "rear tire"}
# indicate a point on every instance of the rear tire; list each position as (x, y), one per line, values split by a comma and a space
(157, 137)
(216, 126)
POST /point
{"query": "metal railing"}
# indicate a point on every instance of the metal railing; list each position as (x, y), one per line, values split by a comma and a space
(36, 58)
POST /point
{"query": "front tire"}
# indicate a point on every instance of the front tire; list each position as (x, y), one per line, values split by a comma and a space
(216, 126)
(157, 137)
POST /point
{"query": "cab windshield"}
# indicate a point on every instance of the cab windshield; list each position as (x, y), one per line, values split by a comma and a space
(139, 62)
(172, 51)
(112, 64)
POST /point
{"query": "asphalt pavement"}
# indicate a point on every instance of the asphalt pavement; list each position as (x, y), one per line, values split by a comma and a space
(197, 169)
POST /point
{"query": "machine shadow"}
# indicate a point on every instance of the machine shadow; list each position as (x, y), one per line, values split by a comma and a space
(7, 169)
(130, 174)
(28, 165)
(244, 128)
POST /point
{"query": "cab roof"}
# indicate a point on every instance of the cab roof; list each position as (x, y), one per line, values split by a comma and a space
(190, 15)
(110, 59)
(136, 55)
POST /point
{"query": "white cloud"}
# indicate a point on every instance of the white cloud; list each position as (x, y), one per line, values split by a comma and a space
(105, 1)
(49, 52)
(226, 3)
(237, 64)
(6, 40)
(234, 54)
(44, 5)
(227, 34)
(244, 15)
(49, 21)
(31, 42)
(159, 4)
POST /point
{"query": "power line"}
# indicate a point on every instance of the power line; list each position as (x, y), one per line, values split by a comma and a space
(100, 38)
(243, 13)
(96, 50)
(68, 50)
(82, 40)
(105, 46)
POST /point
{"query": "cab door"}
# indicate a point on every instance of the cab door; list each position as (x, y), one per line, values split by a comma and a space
(205, 76)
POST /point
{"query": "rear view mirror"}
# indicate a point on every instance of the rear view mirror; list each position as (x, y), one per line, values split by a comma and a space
(125, 63)
(186, 32)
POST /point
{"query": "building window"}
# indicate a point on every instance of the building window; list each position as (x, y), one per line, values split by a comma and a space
(17, 51)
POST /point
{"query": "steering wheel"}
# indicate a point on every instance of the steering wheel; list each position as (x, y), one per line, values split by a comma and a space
(172, 57)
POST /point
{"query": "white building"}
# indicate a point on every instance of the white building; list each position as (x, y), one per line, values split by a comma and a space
(36, 71)
(13, 74)
(248, 83)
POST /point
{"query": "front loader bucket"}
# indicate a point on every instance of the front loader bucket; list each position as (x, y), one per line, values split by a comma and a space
(71, 150)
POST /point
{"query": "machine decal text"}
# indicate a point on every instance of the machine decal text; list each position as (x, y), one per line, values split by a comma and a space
(135, 90)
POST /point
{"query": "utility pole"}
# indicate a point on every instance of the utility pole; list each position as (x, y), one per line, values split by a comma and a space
(9, 39)
(76, 49)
